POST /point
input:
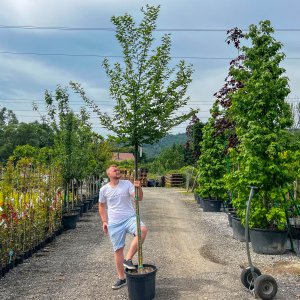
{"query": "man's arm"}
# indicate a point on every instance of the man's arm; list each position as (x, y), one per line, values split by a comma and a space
(103, 216)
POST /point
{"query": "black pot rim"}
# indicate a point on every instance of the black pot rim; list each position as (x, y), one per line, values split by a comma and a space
(270, 230)
(71, 214)
(136, 275)
(212, 200)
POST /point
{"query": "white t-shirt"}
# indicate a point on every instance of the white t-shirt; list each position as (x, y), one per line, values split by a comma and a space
(118, 200)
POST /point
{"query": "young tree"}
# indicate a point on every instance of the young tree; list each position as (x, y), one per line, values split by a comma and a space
(67, 127)
(194, 137)
(148, 92)
(212, 164)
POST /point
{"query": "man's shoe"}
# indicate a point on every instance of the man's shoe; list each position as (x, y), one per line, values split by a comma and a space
(119, 284)
(129, 265)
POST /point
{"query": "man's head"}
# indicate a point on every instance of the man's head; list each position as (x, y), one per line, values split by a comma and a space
(113, 172)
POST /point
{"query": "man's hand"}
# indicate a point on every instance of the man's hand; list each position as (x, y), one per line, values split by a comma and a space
(104, 226)
(137, 183)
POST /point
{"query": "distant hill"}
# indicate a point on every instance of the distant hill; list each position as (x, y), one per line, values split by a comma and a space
(153, 150)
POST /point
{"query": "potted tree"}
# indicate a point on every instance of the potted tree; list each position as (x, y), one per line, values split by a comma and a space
(147, 93)
(211, 165)
(65, 124)
(264, 154)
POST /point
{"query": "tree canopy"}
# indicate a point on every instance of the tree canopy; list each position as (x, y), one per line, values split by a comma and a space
(148, 92)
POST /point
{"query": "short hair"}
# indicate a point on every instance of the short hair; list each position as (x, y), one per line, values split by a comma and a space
(111, 166)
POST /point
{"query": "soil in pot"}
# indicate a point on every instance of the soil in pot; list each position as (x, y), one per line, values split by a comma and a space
(141, 283)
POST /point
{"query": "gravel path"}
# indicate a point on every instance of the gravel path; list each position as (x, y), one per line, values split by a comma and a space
(195, 254)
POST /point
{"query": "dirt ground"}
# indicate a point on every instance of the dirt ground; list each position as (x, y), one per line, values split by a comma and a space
(194, 252)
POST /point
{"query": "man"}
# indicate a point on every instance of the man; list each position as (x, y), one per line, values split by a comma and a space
(118, 217)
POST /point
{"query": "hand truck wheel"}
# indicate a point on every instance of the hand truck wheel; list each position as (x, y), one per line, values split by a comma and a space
(248, 278)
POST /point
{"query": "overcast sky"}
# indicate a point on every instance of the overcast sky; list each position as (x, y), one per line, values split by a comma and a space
(24, 77)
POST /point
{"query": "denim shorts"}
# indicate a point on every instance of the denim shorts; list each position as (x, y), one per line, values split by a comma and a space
(117, 232)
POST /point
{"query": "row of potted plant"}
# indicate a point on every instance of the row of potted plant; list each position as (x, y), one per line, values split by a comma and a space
(33, 206)
(30, 209)
(249, 140)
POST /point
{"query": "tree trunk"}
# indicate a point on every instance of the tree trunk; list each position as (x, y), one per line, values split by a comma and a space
(137, 210)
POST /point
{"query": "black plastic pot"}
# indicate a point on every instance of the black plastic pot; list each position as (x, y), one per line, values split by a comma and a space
(85, 206)
(295, 232)
(2, 271)
(230, 215)
(59, 230)
(91, 203)
(28, 253)
(20, 259)
(198, 199)
(201, 199)
(69, 221)
(76, 210)
(238, 229)
(151, 183)
(11, 265)
(141, 286)
(265, 241)
(96, 198)
(80, 205)
(210, 205)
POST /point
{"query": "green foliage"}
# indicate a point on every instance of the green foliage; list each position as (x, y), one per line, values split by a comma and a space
(212, 164)
(146, 90)
(124, 164)
(7, 117)
(171, 158)
(13, 133)
(262, 116)
(80, 151)
(25, 151)
(153, 150)
(194, 137)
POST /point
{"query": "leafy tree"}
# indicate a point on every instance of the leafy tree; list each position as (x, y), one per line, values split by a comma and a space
(14, 134)
(81, 152)
(65, 124)
(154, 150)
(171, 158)
(194, 137)
(25, 151)
(212, 164)
(7, 117)
(262, 116)
(147, 91)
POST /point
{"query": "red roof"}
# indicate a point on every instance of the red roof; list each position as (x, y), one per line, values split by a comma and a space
(119, 156)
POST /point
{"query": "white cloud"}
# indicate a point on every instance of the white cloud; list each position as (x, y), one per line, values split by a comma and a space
(61, 13)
